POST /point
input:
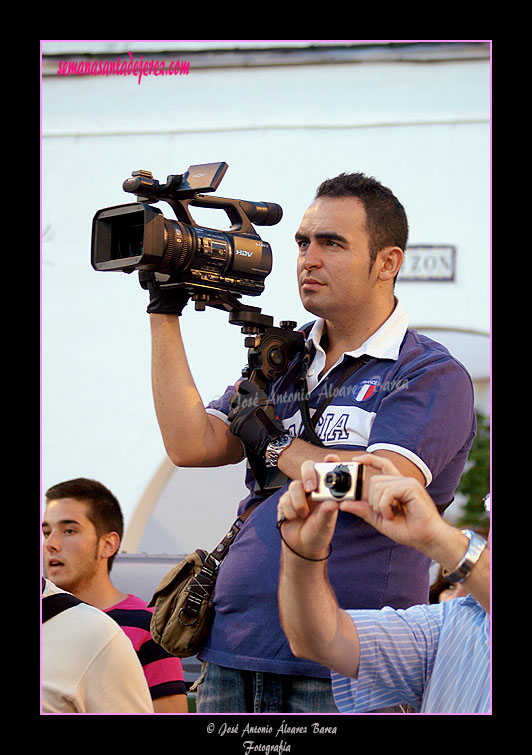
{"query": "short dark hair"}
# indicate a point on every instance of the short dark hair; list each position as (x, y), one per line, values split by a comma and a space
(386, 220)
(104, 510)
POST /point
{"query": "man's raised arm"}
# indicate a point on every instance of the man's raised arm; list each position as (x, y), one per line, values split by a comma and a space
(191, 436)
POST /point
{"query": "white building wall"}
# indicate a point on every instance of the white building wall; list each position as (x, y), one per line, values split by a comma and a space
(421, 128)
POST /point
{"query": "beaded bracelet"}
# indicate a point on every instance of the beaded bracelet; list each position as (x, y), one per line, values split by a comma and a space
(278, 525)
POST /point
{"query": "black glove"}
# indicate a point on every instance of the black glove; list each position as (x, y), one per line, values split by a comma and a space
(163, 301)
(254, 418)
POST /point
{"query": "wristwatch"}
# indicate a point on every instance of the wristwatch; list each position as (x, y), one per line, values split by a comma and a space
(274, 448)
(471, 556)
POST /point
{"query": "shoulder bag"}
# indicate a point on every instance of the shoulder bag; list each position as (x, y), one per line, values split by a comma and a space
(182, 604)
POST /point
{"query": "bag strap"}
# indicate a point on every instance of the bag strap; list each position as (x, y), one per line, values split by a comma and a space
(55, 604)
(220, 552)
(201, 586)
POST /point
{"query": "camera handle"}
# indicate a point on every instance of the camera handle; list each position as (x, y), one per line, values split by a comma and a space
(232, 208)
(180, 191)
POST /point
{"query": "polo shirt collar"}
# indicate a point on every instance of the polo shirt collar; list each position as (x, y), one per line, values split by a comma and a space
(383, 344)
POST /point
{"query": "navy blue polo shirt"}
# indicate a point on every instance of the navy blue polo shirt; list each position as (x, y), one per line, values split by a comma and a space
(412, 397)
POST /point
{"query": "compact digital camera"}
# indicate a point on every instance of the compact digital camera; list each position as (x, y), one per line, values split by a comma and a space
(339, 481)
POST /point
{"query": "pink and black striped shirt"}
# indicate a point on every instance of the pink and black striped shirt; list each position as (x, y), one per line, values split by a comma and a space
(163, 672)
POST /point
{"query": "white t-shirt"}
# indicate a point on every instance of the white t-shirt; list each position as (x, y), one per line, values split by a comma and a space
(89, 665)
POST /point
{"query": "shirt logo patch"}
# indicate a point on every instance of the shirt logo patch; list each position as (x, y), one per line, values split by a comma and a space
(366, 389)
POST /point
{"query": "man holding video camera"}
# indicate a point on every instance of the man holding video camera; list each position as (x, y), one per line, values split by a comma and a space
(375, 385)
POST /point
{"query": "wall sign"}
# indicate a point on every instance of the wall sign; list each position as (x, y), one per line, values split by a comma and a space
(428, 263)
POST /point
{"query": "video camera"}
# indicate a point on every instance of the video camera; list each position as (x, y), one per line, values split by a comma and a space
(205, 261)
(213, 266)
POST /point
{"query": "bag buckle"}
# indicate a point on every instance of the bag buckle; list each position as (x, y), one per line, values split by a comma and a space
(185, 623)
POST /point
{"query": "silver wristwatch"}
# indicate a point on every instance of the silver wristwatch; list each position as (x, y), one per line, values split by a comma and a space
(274, 448)
(474, 551)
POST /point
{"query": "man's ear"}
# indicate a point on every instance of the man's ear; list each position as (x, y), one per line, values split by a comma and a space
(109, 544)
(390, 260)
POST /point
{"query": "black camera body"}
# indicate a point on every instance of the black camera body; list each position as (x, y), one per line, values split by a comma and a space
(179, 252)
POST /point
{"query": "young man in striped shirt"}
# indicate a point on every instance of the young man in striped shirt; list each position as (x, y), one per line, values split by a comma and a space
(82, 528)
(434, 658)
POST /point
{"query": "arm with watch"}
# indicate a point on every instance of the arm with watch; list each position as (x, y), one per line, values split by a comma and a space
(208, 440)
(253, 418)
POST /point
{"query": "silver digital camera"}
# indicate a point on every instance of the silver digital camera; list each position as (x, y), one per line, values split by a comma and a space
(339, 481)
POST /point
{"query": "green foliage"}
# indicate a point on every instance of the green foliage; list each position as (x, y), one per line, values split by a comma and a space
(475, 482)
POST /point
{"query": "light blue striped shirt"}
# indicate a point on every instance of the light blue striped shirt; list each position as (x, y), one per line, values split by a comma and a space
(434, 657)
